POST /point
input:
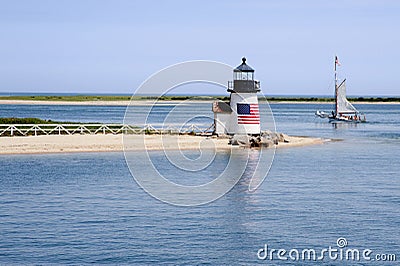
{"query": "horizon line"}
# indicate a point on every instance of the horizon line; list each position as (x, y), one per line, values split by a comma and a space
(175, 94)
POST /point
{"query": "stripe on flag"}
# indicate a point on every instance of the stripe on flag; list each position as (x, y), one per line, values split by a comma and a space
(248, 113)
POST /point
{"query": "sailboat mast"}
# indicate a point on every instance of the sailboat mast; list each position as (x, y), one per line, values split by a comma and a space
(336, 88)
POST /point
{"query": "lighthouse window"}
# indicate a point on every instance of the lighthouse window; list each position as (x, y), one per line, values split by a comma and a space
(243, 76)
(238, 75)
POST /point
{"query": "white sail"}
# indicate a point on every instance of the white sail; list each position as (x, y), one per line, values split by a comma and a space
(343, 105)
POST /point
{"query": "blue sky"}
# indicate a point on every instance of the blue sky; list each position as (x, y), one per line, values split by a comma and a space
(94, 46)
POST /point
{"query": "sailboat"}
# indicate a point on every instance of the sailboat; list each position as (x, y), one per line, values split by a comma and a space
(344, 111)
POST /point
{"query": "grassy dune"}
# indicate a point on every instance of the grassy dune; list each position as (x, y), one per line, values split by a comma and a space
(86, 98)
(27, 120)
(324, 99)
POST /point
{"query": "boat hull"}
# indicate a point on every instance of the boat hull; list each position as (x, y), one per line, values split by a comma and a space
(345, 121)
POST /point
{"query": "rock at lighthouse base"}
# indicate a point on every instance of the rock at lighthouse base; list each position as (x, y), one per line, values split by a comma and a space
(265, 139)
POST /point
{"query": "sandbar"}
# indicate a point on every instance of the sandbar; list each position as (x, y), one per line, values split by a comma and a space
(112, 143)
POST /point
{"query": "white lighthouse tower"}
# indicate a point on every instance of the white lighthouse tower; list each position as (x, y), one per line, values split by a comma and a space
(243, 116)
(244, 101)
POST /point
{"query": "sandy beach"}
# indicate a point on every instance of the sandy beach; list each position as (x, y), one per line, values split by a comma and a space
(108, 143)
(96, 103)
(101, 103)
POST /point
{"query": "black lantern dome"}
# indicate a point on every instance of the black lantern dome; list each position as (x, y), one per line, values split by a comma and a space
(243, 67)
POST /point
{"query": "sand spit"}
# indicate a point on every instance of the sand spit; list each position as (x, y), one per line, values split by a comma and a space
(108, 143)
(98, 103)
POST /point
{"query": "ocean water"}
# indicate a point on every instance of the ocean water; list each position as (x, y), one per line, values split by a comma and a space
(85, 208)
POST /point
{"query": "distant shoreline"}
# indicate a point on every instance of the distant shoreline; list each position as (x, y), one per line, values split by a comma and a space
(162, 102)
(125, 99)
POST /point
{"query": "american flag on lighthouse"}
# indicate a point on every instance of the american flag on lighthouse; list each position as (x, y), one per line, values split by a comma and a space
(248, 113)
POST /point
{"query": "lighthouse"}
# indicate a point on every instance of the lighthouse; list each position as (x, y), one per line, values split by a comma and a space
(241, 116)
